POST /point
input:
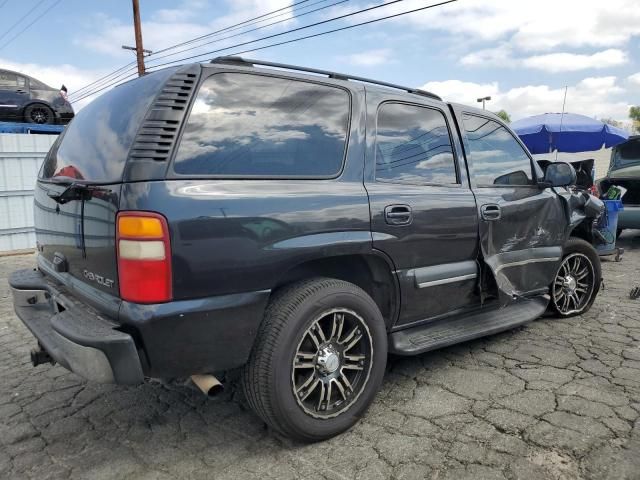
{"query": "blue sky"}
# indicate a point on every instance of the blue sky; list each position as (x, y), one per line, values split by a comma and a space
(522, 53)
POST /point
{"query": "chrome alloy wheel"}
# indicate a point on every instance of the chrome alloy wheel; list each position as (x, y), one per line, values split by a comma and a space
(39, 115)
(332, 363)
(574, 284)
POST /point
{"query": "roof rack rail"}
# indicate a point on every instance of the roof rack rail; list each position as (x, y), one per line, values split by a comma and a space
(235, 60)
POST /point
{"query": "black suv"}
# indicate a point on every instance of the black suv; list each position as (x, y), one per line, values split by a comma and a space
(25, 99)
(298, 224)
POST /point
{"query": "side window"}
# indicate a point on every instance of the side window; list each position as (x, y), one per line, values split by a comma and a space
(8, 80)
(413, 146)
(253, 125)
(37, 85)
(498, 159)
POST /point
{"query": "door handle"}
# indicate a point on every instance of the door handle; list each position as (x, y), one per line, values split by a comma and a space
(398, 214)
(21, 91)
(490, 212)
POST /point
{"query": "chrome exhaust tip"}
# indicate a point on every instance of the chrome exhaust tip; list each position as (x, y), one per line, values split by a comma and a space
(208, 384)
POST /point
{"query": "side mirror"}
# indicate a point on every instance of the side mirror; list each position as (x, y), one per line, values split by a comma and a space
(558, 174)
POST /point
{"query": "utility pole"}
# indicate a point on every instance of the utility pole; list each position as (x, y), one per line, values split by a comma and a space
(140, 51)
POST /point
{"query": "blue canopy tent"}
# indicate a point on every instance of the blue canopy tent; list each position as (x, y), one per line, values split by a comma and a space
(567, 132)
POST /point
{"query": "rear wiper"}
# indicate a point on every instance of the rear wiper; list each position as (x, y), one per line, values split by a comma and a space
(76, 191)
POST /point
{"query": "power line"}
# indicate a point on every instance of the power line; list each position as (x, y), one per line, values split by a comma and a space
(230, 27)
(106, 78)
(20, 20)
(3, 3)
(307, 36)
(315, 34)
(30, 24)
(104, 88)
(340, 17)
(252, 30)
(76, 93)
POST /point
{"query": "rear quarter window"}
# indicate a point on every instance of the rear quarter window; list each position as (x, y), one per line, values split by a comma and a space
(95, 145)
(246, 125)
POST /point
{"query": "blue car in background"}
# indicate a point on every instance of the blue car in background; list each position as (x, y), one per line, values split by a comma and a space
(624, 171)
(25, 99)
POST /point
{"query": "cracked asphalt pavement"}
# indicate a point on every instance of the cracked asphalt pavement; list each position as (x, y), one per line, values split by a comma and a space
(557, 399)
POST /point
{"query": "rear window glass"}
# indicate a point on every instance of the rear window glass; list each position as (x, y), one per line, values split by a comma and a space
(627, 153)
(252, 125)
(95, 145)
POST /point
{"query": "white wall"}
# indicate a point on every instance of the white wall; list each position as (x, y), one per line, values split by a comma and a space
(20, 158)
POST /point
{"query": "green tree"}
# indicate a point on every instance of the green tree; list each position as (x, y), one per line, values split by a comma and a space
(634, 115)
(504, 116)
(612, 122)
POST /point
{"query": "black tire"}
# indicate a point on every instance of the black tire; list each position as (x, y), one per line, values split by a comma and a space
(38, 113)
(269, 378)
(575, 248)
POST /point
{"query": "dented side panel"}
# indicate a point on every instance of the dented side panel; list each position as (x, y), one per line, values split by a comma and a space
(523, 248)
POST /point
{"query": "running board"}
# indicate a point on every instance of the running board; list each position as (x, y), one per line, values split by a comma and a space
(450, 331)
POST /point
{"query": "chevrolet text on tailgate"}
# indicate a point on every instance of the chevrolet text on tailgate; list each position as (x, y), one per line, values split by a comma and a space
(297, 224)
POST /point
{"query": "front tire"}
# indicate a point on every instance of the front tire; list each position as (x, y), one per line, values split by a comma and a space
(577, 281)
(318, 361)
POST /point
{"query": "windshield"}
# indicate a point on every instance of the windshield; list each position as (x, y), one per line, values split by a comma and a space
(95, 145)
(627, 153)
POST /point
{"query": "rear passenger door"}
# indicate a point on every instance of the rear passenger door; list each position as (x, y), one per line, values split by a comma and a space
(423, 212)
(522, 226)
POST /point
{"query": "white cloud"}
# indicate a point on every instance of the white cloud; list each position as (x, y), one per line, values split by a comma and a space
(535, 26)
(368, 58)
(503, 56)
(594, 96)
(635, 78)
(189, 19)
(568, 62)
(460, 91)
(500, 56)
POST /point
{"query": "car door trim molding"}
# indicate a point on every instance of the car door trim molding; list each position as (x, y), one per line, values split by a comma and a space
(526, 262)
(444, 281)
(443, 274)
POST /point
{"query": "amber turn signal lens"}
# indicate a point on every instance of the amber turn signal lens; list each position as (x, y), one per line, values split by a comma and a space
(139, 227)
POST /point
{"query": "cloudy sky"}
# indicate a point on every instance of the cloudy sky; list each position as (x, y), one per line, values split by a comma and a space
(522, 53)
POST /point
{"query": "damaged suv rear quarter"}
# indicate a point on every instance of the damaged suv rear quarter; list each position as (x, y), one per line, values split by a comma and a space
(296, 224)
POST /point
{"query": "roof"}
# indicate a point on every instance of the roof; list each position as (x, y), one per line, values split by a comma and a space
(245, 62)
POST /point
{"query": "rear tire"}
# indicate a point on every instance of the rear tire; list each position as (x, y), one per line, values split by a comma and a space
(38, 113)
(318, 360)
(577, 281)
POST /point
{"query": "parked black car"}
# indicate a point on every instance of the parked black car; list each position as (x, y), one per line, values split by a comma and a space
(25, 99)
(294, 223)
(624, 171)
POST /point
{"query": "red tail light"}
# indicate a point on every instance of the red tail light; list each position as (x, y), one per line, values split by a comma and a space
(144, 257)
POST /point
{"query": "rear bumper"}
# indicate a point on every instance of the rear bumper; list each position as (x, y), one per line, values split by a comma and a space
(629, 217)
(76, 337)
(169, 340)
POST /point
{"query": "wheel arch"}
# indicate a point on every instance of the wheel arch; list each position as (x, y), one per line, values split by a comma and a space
(372, 272)
(38, 101)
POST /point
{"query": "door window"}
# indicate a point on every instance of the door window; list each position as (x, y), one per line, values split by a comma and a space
(413, 146)
(498, 158)
(9, 80)
(253, 125)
